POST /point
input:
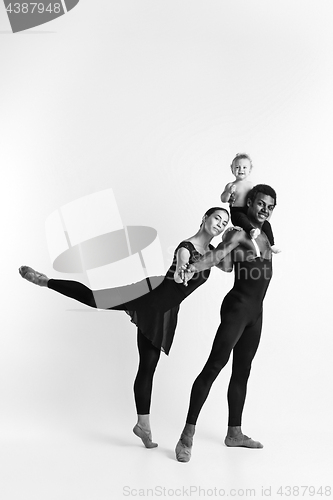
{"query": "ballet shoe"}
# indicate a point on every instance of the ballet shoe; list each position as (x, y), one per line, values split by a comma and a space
(183, 452)
(33, 276)
(145, 436)
(242, 441)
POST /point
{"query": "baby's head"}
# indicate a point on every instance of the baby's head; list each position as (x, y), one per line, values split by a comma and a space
(241, 166)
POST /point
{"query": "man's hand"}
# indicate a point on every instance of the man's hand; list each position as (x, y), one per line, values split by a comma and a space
(232, 228)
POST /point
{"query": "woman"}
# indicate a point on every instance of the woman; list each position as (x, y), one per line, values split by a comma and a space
(154, 313)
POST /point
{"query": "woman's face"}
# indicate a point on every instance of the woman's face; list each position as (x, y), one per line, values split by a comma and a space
(216, 223)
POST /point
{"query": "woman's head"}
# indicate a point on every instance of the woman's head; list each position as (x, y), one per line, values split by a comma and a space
(215, 220)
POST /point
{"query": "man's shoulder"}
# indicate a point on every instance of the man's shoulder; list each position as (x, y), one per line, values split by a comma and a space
(233, 234)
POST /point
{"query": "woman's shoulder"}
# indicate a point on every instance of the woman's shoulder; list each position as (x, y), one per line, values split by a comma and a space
(186, 244)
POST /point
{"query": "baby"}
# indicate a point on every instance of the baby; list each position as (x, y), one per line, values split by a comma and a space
(235, 194)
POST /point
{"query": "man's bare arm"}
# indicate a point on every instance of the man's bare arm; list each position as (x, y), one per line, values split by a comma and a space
(213, 257)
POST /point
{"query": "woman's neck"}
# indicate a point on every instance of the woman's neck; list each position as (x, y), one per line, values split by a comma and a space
(201, 240)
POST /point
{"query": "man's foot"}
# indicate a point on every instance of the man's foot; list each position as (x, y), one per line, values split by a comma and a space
(242, 441)
(275, 249)
(145, 435)
(184, 448)
(254, 233)
(33, 276)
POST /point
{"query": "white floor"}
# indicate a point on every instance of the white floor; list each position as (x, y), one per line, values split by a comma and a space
(100, 464)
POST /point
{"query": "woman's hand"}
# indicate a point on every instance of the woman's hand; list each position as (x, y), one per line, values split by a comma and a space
(186, 272)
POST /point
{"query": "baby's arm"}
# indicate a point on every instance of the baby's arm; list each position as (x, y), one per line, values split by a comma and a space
(228, 192)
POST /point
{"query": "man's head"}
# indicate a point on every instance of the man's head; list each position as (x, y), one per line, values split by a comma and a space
(261, 201)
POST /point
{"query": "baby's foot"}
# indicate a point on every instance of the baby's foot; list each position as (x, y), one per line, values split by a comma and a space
(145, 436)
(254, 233)
(33, 276)
(275, 249)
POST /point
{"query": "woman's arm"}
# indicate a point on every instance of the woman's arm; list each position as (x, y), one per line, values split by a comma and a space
(183, 257)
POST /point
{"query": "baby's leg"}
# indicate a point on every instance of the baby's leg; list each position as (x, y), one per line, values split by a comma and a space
(240, 218)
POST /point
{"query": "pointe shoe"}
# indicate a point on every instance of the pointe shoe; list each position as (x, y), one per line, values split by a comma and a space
(183, 452)
(33, 276)
(242, 441)
(145, 436)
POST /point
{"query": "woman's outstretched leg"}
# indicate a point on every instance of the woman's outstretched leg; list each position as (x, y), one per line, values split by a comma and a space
(143, 384)
(120, 298)
(72, 289)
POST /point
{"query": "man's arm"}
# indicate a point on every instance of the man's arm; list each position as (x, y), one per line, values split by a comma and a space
(213, 257)
(226, 264)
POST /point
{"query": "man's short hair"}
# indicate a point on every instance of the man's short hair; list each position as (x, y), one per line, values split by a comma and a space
(261, 188)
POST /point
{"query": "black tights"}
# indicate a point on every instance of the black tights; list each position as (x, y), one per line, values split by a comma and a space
(232, 334)
(148, 353)
(143, 384)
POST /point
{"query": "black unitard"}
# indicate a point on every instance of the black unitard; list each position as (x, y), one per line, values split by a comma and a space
(240, 329)
(239, 218)
(155, 314)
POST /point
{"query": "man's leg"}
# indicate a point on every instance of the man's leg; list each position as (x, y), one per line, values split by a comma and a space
(227, 335)
(243, 354)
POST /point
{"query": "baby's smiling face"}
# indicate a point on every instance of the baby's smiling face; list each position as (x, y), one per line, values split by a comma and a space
(241, 169)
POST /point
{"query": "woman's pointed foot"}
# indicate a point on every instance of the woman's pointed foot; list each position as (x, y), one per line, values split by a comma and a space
(33, 276)
(183, 451)
(145, 436)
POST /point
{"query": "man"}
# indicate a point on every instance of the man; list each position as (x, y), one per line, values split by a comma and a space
(241, 320)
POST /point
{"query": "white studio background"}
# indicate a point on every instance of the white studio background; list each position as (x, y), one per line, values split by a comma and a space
(153, 99)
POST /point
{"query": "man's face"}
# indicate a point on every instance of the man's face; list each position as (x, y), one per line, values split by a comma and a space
(261, 208)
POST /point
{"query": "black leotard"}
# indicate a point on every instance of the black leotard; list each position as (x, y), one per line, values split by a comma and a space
(155, 313)
(240, 329)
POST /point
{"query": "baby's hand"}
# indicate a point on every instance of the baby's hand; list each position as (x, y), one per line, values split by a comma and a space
(232, 189)
(232, 198)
